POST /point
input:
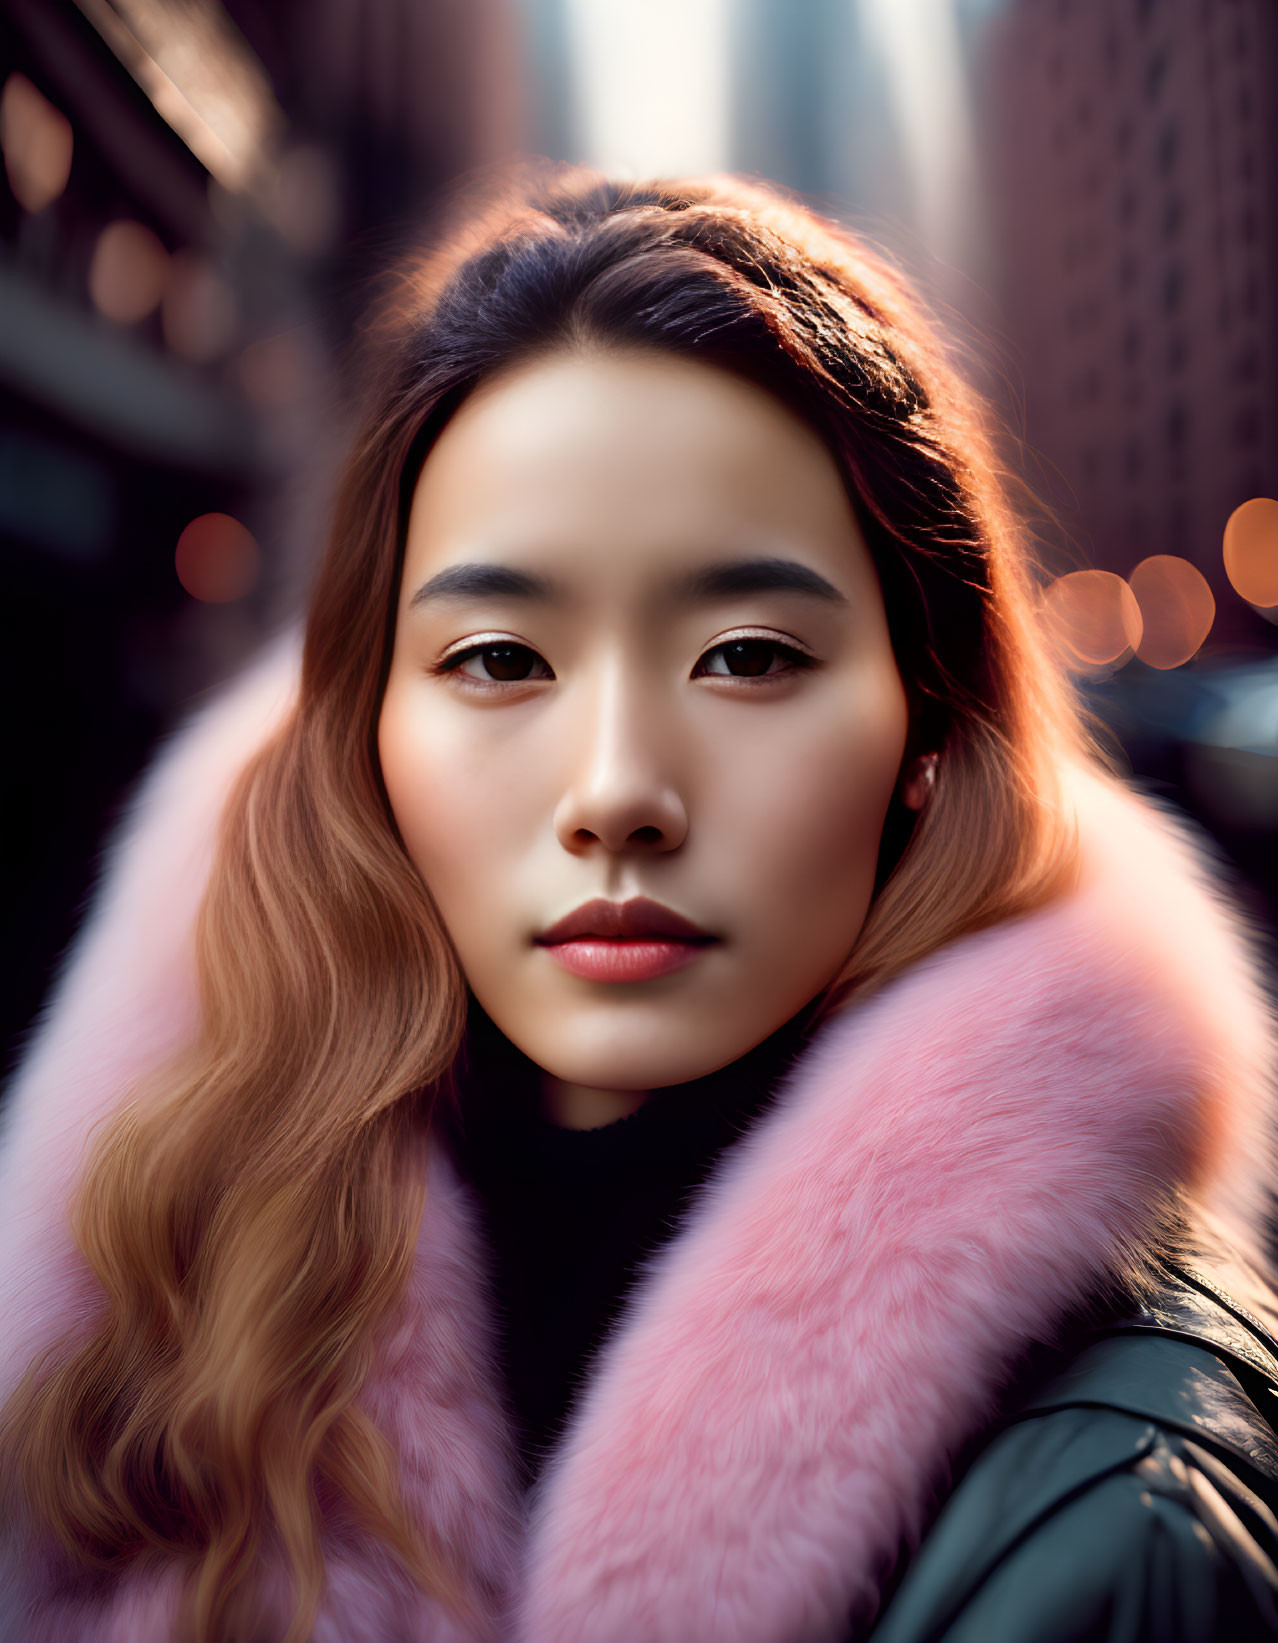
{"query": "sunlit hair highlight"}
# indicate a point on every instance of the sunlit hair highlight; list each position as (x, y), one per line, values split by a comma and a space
(252, 1210)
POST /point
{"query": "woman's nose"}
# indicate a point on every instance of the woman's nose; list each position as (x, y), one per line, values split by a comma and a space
(622, 788)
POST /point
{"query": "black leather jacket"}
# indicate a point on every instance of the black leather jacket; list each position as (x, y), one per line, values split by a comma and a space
(1129, 1496)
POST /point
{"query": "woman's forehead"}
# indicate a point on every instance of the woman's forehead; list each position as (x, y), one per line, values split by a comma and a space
(636, 464)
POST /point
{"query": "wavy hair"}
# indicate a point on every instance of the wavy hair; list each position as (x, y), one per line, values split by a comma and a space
(252, 1211)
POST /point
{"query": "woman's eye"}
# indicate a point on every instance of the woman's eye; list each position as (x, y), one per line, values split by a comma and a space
(503, 664)
(751, 659)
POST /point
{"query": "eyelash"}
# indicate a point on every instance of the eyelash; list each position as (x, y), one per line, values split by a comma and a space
(797, 660)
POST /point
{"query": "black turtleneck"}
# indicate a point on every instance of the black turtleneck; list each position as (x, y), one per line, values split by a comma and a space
(572, 1214)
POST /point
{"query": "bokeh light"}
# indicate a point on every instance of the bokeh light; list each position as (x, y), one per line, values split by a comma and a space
(37, 143)
(1094, 619)
(199, 313)
(1177, 609)
(272, 372)
(1251, 551)
(128, 271)
(217, 559)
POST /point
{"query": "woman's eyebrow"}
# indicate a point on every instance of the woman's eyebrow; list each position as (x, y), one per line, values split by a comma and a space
(728, 577)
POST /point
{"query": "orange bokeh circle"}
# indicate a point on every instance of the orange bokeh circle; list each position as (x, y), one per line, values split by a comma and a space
(1251, 551)
(37, 142)
(127, 271)
(1093, 617)
(1177, 609)
(217, 559)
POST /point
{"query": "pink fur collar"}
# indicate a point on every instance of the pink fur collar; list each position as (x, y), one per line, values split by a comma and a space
(949, 1168)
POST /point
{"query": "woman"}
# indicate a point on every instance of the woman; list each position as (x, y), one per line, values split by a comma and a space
(677, 1098)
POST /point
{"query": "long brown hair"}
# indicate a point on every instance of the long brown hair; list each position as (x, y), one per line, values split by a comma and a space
(252, 1212)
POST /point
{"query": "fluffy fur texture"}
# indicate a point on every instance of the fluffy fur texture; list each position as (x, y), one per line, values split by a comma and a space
(950, 1167)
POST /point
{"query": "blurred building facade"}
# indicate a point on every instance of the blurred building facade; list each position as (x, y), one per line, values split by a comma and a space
(192, 200)
(1132, 153)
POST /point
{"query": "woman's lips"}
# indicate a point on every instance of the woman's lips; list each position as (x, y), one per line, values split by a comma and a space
(600, 958)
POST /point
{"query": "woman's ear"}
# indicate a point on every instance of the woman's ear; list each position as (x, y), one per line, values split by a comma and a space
(917, 782)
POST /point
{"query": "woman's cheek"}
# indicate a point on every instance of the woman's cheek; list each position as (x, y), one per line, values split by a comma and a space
(809, 804)
(428, 795)
(459, 810)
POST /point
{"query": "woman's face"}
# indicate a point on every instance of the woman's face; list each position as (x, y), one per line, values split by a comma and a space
(640, 651)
